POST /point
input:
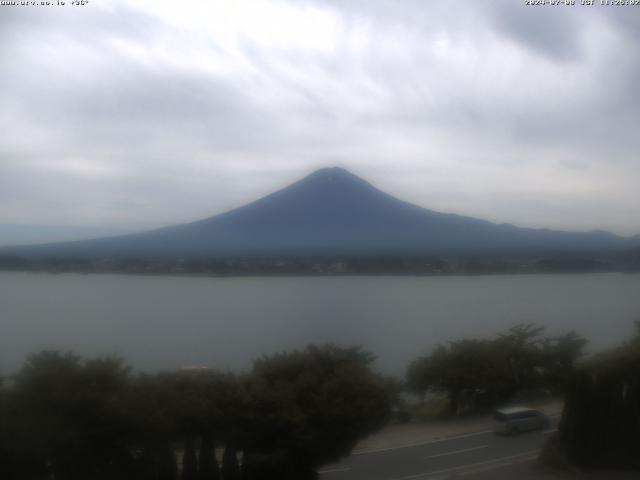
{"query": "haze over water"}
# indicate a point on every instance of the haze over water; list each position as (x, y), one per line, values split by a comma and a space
(168, 322)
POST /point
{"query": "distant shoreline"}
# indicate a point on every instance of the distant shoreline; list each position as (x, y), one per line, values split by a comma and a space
(332, 265)
(315, 275)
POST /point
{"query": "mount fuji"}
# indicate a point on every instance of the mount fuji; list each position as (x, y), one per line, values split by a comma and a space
(333, 212)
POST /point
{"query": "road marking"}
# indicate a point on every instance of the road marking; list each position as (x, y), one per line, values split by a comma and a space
(495, 461)
(547, 432)
(419, 444)
(334, 470)
(456, 452)
(525, 459)
(486, 468)
(429, 442)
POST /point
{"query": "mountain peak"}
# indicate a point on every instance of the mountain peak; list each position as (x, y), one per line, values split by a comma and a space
(333, 173)
(335, 177)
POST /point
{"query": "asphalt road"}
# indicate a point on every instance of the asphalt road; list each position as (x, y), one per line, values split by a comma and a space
(475, 456)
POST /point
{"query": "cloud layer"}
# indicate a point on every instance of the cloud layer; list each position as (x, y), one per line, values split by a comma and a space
(140, 114)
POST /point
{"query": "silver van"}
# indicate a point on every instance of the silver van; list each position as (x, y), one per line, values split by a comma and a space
(509, 421)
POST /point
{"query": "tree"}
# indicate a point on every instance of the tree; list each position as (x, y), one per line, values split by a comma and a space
(308, 408)
(7, 464)
(207, 463)
(464, 370)
(230, 467)
(419, 377)
(69, 418)
(600, 424)
(477, 373)
(152, 406)
(189, 461)
(559, 357)
(520, 349)
(634, 343)
(167, 467)
(72, 413)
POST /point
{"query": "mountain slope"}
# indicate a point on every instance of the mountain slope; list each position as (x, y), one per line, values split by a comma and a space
(333, 212)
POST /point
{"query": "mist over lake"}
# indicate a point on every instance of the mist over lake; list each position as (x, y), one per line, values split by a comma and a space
(169, 322)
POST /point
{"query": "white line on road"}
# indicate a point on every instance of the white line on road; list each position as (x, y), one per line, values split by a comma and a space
(456, 452)
(497, 461)
(334, 470)
(429, 442)
(547, 432)
(485, 468)
(419, 444)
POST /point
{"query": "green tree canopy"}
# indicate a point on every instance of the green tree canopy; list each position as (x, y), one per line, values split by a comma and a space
(310, 407)
(600, 424)
(72, 415)
(483, 372)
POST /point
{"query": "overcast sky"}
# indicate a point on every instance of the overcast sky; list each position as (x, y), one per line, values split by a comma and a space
(131, 114)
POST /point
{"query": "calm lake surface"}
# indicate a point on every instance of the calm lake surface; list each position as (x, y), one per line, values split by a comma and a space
(168, 322)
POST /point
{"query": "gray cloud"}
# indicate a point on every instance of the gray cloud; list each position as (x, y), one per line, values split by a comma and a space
(556, 35)
(135, 115)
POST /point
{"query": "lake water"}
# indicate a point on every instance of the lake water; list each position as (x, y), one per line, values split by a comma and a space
(168, 322)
